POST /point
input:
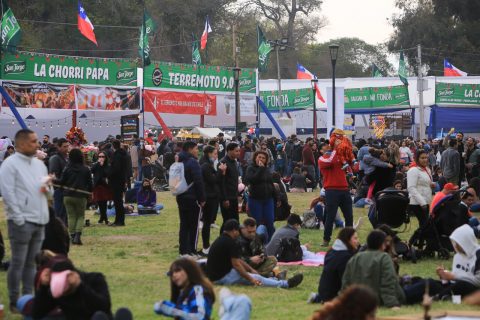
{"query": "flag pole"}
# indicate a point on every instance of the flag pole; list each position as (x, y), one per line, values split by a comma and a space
(143, 76)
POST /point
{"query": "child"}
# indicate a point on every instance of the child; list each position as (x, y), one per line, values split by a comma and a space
(448, 189)
(371, 162)
(192, 294)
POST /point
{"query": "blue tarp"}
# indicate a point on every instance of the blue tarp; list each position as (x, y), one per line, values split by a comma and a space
(465, 120)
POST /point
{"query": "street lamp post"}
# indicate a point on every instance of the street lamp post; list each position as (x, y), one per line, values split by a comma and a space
(333, 57)
(314, 84)
(236, 77)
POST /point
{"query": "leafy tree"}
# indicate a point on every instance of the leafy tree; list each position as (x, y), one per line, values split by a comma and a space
(445, 29)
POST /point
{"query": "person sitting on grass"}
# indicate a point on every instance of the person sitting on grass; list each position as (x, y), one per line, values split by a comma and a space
(298, 181)
(225, 266)
(448, 189)
(336, 260)
(374, 268)
(252, 249)
(355, 303)
(147, 197)
(464, 278)
(192, 294)
(78, 294)
(291, 230)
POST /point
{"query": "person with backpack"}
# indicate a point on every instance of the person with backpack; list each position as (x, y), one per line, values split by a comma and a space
(190, 202)
(290, 230)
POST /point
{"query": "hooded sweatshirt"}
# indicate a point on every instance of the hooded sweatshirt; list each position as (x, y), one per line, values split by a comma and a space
(331, 278)
(466, 267)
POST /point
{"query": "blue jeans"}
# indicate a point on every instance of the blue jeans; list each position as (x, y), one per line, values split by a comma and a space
(263, 211)
(262, 233)
(335, 199)
(156, 207)
(320, 214)
(233, 277)
(60, 211)
(236, 307)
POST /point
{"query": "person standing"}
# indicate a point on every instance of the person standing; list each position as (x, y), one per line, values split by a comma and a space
(337, 193)
(210, 179)
(261, 192)
(221, 146)
(56, 164)
(229, 183)
(76, 176)
(450, 163)
(117, 179)
(472, 159)
(102, 192)
(134, 156)
(25, 191)
(191, 201)
(419, 185)
(308, 157)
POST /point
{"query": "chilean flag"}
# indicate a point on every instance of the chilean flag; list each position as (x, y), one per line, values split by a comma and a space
(85, 25)
(203, 41)
(303, 73)
(449, 70)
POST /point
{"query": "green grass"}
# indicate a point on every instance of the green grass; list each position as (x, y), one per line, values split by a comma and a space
(135, 259)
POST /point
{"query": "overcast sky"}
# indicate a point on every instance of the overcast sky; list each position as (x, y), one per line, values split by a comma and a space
(364, 19)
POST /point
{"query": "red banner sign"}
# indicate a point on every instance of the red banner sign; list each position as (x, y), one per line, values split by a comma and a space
(180, 103)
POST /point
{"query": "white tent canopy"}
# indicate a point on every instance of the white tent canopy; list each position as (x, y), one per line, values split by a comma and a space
(210, 132)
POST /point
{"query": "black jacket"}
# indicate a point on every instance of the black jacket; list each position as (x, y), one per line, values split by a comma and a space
(118, 169)
(260, 182)
(76, 176)
(92, 295)
(210, 178)
(193, 174)
(331, 278)
(229, 181)
(56, 236)
(100, 174)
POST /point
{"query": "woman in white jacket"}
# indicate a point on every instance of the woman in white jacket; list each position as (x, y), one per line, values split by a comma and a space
(419, 185)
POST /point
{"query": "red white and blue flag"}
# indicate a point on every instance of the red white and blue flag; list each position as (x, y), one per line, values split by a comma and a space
(303, 73)
(449, 70)
(85, 25)
(206, 31)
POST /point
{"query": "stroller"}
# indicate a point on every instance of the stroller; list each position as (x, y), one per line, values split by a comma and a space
(434, 236)
(390, 211)
(390, 208)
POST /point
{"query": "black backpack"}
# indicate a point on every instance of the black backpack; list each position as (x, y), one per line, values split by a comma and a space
(290, 250)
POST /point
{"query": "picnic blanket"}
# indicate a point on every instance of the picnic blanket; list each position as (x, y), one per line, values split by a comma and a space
(309, 259)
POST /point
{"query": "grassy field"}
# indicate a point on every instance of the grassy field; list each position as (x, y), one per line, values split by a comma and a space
(135, 259)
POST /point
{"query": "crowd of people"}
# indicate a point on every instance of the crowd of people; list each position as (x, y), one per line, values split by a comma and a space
(48, 186)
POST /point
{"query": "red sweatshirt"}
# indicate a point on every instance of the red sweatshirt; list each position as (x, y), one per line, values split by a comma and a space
(333, 175)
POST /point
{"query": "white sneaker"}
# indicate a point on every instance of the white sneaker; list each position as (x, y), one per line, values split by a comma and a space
(312, 297)
(205, 251)
(214, 226)
(200, 224)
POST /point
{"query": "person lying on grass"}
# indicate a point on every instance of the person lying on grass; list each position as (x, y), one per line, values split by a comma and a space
(225, 266)
(192, 294)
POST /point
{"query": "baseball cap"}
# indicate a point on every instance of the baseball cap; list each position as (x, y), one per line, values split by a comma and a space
(450, 187)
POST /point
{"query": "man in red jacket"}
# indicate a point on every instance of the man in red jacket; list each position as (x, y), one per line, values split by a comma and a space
(337, 193)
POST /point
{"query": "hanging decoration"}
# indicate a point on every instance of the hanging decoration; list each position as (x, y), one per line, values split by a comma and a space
(76, 137)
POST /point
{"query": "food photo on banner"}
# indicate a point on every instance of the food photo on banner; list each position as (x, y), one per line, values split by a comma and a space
(180, 103)
(40, 95)
(108, 98)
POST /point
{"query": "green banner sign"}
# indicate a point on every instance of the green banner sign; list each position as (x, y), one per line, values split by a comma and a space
(25, 66)
(457, 93)
(164, 75)
(290, 100)
(376, 97)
